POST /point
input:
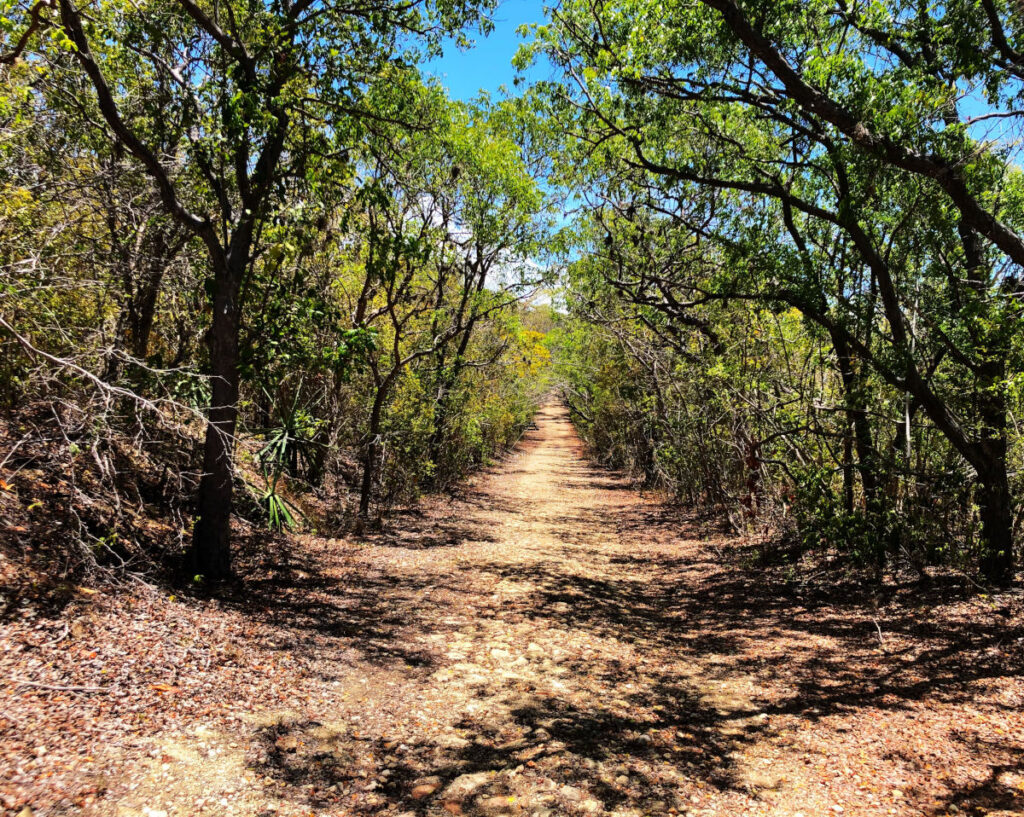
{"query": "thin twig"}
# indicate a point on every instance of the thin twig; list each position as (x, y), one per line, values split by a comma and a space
(881, 641)
(154, 406)
(61, 637)
(56, 687)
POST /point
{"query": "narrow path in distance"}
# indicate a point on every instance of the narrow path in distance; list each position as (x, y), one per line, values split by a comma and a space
(552, 642)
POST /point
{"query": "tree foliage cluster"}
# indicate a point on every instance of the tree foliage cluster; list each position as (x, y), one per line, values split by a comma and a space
(247, 244)
(793, 288)
(797, 290)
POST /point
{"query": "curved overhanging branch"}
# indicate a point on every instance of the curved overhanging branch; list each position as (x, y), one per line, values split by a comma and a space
(945, 173)
(201, 226)
(36, 21)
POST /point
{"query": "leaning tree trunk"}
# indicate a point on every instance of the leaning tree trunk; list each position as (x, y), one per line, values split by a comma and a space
(210, 555)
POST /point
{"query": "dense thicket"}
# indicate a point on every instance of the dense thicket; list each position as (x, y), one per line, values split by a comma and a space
(799, 291)
(246, 245)
(253, 226)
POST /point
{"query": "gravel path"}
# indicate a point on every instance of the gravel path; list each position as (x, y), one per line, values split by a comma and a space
(552, 642)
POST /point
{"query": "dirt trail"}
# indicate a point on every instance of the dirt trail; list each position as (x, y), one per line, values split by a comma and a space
(552, 642)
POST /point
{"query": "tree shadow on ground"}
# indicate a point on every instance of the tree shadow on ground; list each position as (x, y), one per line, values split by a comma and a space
(999, 790)
(811, 652)
(543, 753)
(347, 611)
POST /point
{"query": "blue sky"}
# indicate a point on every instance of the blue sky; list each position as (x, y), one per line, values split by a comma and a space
(488, 65)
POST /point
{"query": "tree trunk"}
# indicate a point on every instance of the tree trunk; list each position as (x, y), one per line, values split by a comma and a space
(440, 421)
(442, 405)
(857, 437)
(857, 418)
(369, 472)
(210, 555)
(143, 310)
(848, 467)
(997, 560)
(442, 412)
(135, 323)
(371, 454)
(752, 465)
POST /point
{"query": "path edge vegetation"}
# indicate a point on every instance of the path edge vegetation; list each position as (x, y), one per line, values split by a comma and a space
(738, 160)
(788, 257)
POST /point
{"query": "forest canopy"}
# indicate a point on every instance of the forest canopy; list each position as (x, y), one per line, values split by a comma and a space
(261, 225)
(798, 290)
(260, 272)
(556, 408)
